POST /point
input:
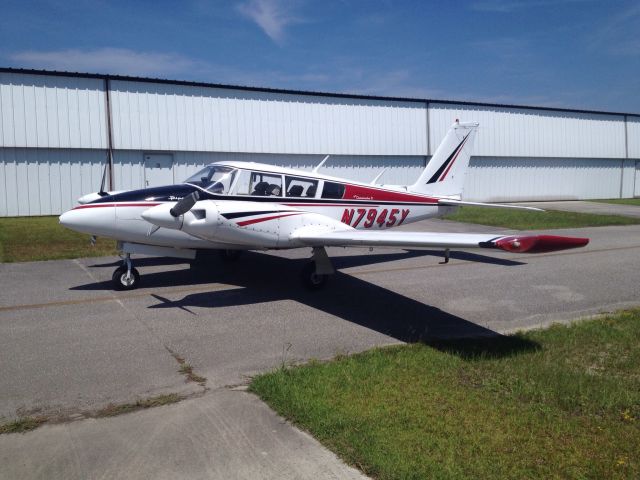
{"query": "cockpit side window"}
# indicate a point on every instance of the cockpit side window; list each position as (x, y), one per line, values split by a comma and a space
(333, 190)
(300, 187)
(214, 178)
(259, 184)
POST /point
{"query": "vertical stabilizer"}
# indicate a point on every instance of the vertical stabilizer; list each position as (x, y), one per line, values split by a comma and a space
(444, 174)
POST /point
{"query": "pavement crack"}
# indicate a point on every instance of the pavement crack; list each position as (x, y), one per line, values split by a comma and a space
(186, 369)
(31, 422)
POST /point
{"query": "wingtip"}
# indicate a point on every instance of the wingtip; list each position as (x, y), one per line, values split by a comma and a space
(539, 243)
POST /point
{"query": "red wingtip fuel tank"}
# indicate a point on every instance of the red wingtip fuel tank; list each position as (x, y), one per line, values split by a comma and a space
(539, 243)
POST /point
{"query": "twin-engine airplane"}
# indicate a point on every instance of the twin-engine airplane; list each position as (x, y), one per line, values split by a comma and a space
(235, 206)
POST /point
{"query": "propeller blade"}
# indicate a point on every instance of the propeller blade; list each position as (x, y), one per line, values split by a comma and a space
(184, 205)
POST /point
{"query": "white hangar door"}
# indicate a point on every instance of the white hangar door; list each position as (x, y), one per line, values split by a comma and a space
(158, 169)
(636, 192)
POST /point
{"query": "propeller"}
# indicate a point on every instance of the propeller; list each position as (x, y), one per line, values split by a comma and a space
(184, 205)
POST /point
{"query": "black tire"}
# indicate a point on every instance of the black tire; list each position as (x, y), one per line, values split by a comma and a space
(120, 280)
(230, 255)
(310, 279)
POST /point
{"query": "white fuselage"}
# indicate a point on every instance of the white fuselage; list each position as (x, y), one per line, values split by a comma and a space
(234, 221)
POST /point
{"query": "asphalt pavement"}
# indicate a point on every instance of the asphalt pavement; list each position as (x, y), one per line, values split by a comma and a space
(70, 346)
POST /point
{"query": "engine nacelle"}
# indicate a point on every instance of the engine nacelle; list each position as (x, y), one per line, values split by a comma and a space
(160, 216)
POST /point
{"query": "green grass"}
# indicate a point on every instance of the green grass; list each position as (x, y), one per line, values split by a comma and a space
(621, 201)
(24, 239)
(557, 403)
(528, 220)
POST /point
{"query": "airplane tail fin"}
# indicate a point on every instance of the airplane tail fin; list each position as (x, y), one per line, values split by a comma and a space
(444, 174)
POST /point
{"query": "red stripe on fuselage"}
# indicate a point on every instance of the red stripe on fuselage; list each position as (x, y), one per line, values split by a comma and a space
(103, 205)
(359, 192)
(329, 205)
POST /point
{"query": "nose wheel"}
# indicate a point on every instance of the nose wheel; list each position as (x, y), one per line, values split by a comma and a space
(126, 277)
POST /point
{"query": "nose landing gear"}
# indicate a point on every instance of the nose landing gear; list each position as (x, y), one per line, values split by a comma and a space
(126, 277)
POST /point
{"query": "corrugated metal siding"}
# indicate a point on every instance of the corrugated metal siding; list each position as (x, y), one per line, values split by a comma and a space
(46, 181)
(129, 166)
(51, 112)
(183, 118)
(628, 178)
(493, 179)
(52, 130)
(633, 137)
(533, 133)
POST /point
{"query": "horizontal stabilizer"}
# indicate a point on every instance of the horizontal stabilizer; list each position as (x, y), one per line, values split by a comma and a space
(460, 203)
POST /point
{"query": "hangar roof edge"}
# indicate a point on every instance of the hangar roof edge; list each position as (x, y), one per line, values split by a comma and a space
(102, 76)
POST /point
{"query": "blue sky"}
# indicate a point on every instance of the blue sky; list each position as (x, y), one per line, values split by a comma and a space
(561, 53)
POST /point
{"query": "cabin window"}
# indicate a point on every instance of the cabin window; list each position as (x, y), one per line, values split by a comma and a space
(259, 184)
(300, 187)
(214, 178)
(332, 190)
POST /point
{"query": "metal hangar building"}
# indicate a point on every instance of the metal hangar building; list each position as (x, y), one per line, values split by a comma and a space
(58, 130)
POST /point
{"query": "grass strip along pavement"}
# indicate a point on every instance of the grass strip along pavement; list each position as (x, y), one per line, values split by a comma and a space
(621, 201)
(531, 220)
(25, 239)
(563, 402)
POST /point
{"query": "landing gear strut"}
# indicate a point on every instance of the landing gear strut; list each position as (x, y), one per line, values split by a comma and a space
(314, 275)
(126, 277)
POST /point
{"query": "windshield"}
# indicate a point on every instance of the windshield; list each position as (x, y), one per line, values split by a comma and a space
(214, 178)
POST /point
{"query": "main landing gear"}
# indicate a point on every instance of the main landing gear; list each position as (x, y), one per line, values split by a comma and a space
(126, 277)
(314, 275)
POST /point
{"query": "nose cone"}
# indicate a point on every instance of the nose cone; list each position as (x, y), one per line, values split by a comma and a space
(94, 221)
(71, 219)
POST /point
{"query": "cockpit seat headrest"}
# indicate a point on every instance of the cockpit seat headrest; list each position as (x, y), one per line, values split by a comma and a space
(295, 191)
(260, 188)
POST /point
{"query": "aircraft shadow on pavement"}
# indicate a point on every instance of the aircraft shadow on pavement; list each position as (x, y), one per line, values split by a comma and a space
(263, 278)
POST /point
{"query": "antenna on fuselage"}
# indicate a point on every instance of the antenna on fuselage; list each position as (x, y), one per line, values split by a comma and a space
(320, 164)
(102, 191)
(373, 182)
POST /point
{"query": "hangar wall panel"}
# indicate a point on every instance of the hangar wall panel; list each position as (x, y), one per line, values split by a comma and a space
(512, 132)
(51, 112)
(129, 166)
(628, 178)
(495, 179)
(187, 118)
(46, 181)
(633, 137)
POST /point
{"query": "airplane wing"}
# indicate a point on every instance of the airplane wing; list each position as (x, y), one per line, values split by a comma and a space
(423, 240)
